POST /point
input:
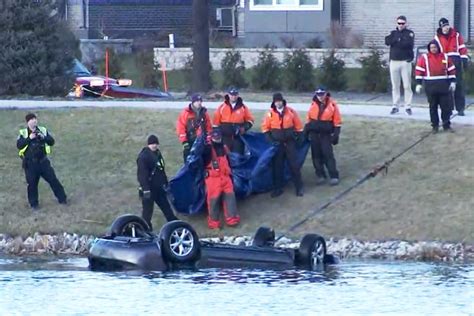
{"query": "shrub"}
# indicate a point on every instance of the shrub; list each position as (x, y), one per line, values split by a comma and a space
(299, 71)
(233, 68)
(149, 73)
(115, 65)
(316, 42)
(267, 72)
(332, 72)
(469, 79)
(288, 41)
(375, 72)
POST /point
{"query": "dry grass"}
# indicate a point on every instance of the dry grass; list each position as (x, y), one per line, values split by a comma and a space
(427, 194)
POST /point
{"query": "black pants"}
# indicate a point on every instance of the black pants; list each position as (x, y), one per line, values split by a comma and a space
(35, 169)
(158, 196)
(322, 155)
(437, 92)
(459, 94)
(234, 143)
(286, 151)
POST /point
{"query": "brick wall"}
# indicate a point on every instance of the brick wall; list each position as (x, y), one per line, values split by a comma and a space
(375, 18)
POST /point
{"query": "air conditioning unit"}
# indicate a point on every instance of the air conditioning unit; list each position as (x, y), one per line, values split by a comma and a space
(225, 17)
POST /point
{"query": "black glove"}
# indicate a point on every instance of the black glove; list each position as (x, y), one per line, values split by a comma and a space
(247, 126)
(335, 135)
(146, 195)
(299, 138)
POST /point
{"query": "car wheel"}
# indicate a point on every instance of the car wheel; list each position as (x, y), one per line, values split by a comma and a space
(312, 251)
(129, 225)
(180, 242)
(264, 237)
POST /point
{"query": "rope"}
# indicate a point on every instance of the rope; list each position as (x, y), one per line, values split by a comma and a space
(372, 174)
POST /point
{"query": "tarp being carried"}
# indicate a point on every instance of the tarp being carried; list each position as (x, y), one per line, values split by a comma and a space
(251, 173)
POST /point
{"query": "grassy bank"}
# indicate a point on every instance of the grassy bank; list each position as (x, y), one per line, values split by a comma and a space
(427, 193)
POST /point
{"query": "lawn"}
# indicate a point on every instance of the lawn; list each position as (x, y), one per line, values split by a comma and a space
(427, 193)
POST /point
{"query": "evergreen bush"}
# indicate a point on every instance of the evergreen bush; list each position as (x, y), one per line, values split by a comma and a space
(332, 72)
(233, 68)
(37, 49)
(299, 71)
(375, 73)
(150, 74)
(267, 72)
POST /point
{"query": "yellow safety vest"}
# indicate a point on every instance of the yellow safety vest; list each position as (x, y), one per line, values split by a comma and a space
(24, 134)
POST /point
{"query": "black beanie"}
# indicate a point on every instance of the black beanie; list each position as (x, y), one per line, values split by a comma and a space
(277, 97)
(152, 139)
(443, 22)
(29, 116)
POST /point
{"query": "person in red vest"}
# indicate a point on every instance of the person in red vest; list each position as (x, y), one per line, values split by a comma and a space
(323, 126)
(192, 122)
(452, 44)
(235, 118)
(218, 179)
(438, 73)
(283, 129)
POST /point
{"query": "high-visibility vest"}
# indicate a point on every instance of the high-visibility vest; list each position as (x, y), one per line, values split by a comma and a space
(24, 134)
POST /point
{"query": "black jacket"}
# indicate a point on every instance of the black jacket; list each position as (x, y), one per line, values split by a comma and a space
(401, 44)
(36, 147)
(151, 173)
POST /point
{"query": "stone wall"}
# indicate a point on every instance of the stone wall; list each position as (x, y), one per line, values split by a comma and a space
(177, 57)
(94, 49)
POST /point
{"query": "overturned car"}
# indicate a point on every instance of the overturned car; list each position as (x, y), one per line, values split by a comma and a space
(130, 244)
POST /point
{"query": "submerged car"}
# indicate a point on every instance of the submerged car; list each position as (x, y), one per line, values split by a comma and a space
(130, 244)
(88, 85)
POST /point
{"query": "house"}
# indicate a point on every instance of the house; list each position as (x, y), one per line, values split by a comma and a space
(256, 23)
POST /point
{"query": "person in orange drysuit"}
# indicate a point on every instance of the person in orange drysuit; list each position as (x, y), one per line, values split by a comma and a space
(218, 179)
(323, 126)
(192, 122)
(234, 118)
(283, 129)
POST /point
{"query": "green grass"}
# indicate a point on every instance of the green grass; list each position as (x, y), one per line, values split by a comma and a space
(427, 193)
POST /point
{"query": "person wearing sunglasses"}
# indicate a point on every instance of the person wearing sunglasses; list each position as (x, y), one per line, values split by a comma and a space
(401, 42)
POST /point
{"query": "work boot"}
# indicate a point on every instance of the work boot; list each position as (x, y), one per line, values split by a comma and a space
(448, 129)
(461, 113)
(394, 110)
(334, 181)
(435, 129)
(35, 208)
(276, 193)
(409, 112)
(232, 221)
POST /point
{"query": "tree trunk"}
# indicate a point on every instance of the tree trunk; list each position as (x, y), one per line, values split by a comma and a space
(201, 68)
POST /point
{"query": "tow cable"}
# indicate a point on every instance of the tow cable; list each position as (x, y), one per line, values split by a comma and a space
(372, 174)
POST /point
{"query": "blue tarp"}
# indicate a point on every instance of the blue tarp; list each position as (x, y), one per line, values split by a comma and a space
(251, 173)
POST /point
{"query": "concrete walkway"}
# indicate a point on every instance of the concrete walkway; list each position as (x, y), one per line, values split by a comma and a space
(372, 110)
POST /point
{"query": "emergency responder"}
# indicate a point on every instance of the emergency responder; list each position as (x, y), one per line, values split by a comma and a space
(452, 44)
(234, 118)
(323, 126)
(283, 129)
(218, 179)
(34, 143)
(401, 42)
(153, 181)
(438, 73)
(192, 122)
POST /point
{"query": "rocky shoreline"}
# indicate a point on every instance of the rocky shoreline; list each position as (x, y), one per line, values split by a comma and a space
(74, 244)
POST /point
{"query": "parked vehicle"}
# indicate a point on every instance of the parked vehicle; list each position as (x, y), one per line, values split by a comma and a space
(130, 244)
(88, 85)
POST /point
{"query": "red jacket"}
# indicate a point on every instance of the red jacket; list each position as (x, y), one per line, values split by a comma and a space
(452, 43)
(435, 67)
(218, 164)
(188, 125)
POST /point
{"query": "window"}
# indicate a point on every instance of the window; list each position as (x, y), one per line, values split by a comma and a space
(286, 5)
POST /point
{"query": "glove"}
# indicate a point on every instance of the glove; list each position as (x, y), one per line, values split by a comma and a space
(147, 195)
(418, 88)
(185, 146)
(452, 86)
(299, 138)
(335, 139)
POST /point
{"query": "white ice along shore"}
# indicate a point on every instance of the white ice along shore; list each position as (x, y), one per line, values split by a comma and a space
(74, 244)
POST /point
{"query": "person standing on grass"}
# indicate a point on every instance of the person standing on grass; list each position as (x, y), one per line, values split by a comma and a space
(283, 129)
(401, 42)
(153, 181)
(323, 126)
(34, 144)
(438, 73)
(192, 122)
(234, 118)
(452, 44)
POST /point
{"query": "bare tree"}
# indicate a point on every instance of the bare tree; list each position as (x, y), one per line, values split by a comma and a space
(201, 66)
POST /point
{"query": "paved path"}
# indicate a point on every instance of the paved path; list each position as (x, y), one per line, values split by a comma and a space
(372, 110)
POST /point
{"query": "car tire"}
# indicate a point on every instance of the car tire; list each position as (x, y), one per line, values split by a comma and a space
(311, 252)
(264, 237)
(129, 225)
(180, 242)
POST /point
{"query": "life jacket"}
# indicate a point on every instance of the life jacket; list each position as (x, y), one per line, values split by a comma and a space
(435, 67)
(451, 44)
(189, 125)
(24, 134)
(323, 117)
(282, 125)
(229, 118)
(219, 165)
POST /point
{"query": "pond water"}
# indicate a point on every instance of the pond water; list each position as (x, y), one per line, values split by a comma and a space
(65, 286)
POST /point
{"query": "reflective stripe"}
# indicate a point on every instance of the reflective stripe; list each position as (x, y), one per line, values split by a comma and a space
(420, 68)
(427, 65)
(439, 43)
(438, 77)
(24, 134)
(451, 68)
(465, 56)
(462, 46)
(419, 77)
(453, 54)
(452, 76)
